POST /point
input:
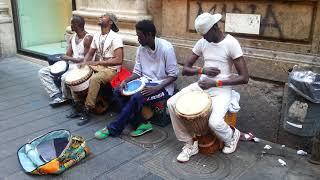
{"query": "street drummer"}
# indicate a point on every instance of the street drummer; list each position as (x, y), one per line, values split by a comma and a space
(156, 65)
(220, 51)
(77, 49)
(107, 47)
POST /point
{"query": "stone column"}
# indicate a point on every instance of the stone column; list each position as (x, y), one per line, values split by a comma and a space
(7, 39)
(128, 13)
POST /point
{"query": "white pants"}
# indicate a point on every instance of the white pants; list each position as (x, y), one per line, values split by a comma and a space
(221, 98)
(47, 81)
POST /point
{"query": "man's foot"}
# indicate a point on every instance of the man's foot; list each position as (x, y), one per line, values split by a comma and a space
(142, 129)
(188, 151)
(84, 117)
(57, 101)
(231, 146)
(73, 114)
(102, 133)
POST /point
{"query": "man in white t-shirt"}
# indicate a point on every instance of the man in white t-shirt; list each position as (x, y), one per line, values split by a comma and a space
(156, 65)
(220, 51)
(107, 47)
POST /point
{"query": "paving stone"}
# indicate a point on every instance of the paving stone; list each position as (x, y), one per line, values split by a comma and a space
(152, 177)
(104, 161)
(130, 171)
(150, 140)
(35, 105)
(32, 126)
(29, 116)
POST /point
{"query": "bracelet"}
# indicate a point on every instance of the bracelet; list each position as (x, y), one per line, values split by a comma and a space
(218, 83)
(200, 70)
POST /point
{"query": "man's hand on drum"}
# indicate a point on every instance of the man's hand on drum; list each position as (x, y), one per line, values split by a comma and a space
(89, 63)
(64, 57)
(207, 83)
(150, 90)
(123, 85)
(211, 71)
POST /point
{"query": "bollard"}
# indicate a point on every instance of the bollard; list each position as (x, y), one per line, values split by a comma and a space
(315, 152)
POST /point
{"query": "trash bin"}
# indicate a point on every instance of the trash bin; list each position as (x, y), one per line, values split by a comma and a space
(302, 110)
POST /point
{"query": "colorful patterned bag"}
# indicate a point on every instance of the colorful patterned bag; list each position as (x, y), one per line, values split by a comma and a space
(52, 153)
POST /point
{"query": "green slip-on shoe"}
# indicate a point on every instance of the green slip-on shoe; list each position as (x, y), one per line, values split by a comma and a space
(102, 133)
(142, 129)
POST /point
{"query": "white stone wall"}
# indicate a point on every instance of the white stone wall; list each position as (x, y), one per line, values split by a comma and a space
(7, 35)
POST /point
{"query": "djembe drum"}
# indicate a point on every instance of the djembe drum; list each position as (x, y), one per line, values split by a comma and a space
(194, 109)
(133, 87)
(78, 79)
(57, 70)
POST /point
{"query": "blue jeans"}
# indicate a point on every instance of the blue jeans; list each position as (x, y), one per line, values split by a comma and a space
(131, 106)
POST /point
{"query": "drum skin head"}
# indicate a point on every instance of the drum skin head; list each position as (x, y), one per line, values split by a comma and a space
(59, 68)
(133, 87)
(77, 74)
(192, 103)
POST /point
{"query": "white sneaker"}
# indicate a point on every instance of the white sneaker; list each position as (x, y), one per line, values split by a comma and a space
(231, 146)
(188, 151)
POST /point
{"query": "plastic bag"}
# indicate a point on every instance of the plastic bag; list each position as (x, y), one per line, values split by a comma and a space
(306, 82)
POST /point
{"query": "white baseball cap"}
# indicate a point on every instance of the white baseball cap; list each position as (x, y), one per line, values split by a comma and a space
(205, 21)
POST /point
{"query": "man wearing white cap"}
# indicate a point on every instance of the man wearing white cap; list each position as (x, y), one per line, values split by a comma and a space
(220, 51)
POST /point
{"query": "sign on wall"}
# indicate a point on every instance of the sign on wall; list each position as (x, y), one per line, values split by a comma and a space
(242, 23)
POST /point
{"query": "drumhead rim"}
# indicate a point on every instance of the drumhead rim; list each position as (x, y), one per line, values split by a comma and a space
(135, 91)
(62, 72)
(209, 106)
(77, 82)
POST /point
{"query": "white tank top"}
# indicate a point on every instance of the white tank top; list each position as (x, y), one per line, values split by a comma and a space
(78, 49)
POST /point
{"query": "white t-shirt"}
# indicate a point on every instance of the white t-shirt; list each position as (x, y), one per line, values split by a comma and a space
(157, 65)
(106, 45)
(219, 55)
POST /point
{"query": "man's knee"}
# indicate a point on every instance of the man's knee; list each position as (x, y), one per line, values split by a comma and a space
(137, 97)
(43, 71)
(117, 92)
(217, 123)
(171, 102)
(95, 80)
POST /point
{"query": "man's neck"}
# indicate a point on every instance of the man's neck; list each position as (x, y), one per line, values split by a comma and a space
(105, 30)
(152, 44)
(221, 37)
(81, 33)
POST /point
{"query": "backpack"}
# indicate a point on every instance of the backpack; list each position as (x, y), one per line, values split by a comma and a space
(52, 153)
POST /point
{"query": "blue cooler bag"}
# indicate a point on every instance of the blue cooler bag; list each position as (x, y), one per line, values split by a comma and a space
(52, 153)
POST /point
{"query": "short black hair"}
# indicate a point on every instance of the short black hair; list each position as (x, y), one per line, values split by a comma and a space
(79, 20)
(146, 26)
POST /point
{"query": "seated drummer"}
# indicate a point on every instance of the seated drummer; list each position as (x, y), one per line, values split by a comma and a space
(77, 49)
(107, 47)
(219, 52)
(156, 64)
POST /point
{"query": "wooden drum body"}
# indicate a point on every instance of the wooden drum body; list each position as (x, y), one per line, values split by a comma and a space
(78, 79)
(210, 143)
(194, 109)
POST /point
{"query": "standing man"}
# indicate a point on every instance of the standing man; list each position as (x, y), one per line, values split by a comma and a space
(107, 47)
(77, 49)
(156, 65)
(220, 51)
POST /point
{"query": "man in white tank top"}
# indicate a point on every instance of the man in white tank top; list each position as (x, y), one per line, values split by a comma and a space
(219, 52)
(77, 49)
